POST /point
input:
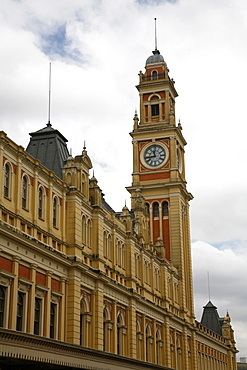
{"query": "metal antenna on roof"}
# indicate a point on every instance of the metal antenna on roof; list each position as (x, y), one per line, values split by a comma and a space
(155, 32)
(49, 101)
(208, 287)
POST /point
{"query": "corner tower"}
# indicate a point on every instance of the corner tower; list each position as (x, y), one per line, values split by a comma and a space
(159, 171)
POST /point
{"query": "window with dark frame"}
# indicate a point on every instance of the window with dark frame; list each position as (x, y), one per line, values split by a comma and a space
(37, 311)
(165, 209)
(24, 192)
(156, 209)
(20, 311)
(52, 320)
(6, 180)
(40, 205)
(154, 75)
(155, 110)
(2, 304)
(55, 212)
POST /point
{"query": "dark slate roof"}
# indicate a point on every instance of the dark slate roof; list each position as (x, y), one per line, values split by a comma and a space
(49, 147)
(106, 205)
(155, 58)
(210, 318)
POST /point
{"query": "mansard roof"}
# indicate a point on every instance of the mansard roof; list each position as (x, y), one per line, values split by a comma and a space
(210, 318)
(49, 146)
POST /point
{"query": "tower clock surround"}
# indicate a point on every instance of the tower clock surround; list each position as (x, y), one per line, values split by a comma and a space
(154, 155)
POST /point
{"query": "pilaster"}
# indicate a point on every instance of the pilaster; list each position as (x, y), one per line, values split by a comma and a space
(14, 294)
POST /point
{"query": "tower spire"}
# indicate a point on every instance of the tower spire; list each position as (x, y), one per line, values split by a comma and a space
(49, 100)
(155, 34)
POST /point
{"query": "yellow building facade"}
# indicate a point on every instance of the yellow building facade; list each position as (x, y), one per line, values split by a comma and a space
(86, 287)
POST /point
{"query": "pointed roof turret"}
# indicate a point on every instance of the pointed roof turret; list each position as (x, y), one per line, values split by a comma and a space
(49, 146)
(210, 318)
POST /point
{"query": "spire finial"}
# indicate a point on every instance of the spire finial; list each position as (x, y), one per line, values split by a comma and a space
(49, 101)
(155, 33)
(208, 286)
(84, 145)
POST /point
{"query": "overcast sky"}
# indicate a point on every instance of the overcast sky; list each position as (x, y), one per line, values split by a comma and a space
(97, 48)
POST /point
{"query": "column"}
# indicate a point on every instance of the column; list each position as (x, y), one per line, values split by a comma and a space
(14, 294)
(144, 338)
(114, 327)
(47, 305)
(132, 337)
(73, 307)
(194, 362)
(17, 196)
(185, 360)
(167, 344)
(31, 299)
(98, 315)
(62, 316)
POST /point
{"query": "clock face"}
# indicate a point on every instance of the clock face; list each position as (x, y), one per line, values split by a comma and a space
(154, 155)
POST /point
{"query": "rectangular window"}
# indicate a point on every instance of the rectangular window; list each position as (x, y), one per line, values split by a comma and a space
(155, 110)
(20, 311)
(2, 304)
(53, 320)
(37, 316)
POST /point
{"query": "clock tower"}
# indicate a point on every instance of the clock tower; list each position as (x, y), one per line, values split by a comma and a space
(159, 173)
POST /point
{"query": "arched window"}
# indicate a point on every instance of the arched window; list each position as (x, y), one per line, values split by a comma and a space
(20, 311)
(154, 75)
(82, 324)
(37, 312)
(179, 354)
(83, 229)
(158, 344)
(55, 211)
(118, 253)
(24, 191)
(155, 109)
(41, 202)
(148, 337)
(123, 256)
(165, 209)
(156, 209)
(105, 244)
(89, 233)
(7, 180)
(106, 328)
(137, 265)
(139, 336)
(109, 247)
(2, 305)
(147, 206)
(120, 323)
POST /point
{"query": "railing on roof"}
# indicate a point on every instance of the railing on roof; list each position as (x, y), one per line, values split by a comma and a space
(153, 78)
